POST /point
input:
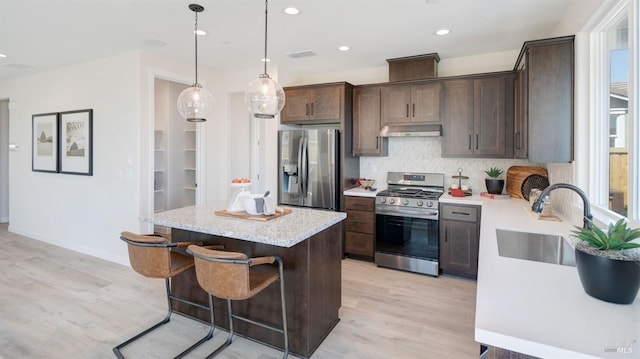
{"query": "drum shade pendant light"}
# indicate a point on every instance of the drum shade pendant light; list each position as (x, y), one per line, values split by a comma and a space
(195, 103)
(264, 97)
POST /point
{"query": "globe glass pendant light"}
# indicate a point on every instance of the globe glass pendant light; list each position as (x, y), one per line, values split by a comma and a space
(195, 103)
(264, 97)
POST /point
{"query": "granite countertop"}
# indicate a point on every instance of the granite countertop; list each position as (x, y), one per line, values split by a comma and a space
(285, 231)
(540, 309)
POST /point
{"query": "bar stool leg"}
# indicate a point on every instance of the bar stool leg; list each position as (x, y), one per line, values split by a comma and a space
(116, 350)
(206, 337)
(229, 338)
(284, 310)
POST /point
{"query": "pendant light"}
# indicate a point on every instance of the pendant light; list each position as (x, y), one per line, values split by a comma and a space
(195, 103)
(265, 97)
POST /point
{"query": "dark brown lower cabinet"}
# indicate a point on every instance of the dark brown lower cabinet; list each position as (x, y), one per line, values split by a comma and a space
(459, 239)
(360, 227)
(499, 353)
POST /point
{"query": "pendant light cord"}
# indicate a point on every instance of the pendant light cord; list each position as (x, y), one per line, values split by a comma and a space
(195, 35)
(266, 11)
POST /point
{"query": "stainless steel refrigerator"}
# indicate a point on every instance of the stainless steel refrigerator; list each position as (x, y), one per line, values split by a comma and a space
(308, 168)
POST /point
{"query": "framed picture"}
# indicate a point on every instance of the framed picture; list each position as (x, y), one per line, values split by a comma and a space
(44, 155)
(76, 142)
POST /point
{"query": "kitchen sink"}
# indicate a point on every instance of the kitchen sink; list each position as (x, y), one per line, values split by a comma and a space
(535, 247)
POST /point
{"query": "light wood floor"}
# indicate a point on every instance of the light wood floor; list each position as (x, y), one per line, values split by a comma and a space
(55, 303)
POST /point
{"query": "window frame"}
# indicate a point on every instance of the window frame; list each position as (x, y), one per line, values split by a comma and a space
(598, 151)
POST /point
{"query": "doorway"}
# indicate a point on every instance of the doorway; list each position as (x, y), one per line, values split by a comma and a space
(4, 161)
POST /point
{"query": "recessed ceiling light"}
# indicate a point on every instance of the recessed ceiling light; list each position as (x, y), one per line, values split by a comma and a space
(443, 32)
(344, 48)
(3, 55)
(291, 11)
(200, 32)
(265, 60)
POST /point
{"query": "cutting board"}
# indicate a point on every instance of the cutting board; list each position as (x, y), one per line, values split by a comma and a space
(245, 215)
(517, 175)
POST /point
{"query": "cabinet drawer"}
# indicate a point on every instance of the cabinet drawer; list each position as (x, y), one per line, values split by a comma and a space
(360, 203)
(358, 221)
(359, 243)
(459, 213)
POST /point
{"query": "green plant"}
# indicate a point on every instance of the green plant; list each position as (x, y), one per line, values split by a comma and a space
(617, 237)
(493, 172)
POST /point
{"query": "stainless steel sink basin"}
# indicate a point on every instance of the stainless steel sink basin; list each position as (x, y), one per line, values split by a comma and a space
(535, 247)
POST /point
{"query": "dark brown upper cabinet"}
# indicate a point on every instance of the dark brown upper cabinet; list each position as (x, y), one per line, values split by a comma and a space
(477, 116)
(543, 129)
(366, 123)
(314, 104)
(411, 103)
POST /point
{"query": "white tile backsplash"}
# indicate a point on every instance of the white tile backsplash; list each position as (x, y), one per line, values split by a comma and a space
(424, 154)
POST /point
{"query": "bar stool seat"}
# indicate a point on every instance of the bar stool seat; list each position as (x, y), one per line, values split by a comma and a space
(153, 256)
(228, 275)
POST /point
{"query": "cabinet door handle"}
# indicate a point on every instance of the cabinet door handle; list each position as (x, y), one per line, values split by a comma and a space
(312, 110)
(414, 109)
(518, 145)
(469, 142)
(476, 141)
(462, 213)
(446, 234)
(377, 142)
(306, 110)
(358, 222)
(407, 110)
(359, 204)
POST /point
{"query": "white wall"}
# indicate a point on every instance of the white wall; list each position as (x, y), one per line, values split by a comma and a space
(83, 213)
(4, 161)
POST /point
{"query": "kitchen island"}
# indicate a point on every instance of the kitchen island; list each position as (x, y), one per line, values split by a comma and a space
(310, 245)
(540, 309)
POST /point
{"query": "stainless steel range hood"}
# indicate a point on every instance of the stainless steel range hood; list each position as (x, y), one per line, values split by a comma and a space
(411, 131)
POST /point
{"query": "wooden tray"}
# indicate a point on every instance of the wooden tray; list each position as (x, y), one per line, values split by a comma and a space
(245, 215)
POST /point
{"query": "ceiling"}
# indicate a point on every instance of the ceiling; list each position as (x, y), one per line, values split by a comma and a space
(37, 35)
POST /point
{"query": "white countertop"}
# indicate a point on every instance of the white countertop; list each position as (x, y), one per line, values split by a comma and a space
(540, 309)
(361, 192)
(285, 231)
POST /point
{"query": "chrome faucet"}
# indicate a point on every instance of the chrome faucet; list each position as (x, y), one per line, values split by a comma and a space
(587, 217)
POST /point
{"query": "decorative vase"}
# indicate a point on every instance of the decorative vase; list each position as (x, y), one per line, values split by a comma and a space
(608, 279)
(494, 185)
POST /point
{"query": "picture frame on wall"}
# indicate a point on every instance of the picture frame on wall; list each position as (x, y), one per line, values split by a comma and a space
(76, 142)
(45, 134)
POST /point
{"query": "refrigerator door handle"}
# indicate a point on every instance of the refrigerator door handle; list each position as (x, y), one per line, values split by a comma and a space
(300, 173)
(305, 167)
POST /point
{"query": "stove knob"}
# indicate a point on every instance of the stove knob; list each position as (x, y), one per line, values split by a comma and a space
(383, 200)
(420, 203)
(429, 204)
(405, 202)
(392, 201)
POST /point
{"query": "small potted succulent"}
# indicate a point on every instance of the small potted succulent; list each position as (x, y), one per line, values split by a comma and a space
(494, 183)
(608, 263)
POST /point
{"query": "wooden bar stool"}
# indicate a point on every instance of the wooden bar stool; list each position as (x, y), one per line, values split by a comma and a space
(152, 256)
(227, 275)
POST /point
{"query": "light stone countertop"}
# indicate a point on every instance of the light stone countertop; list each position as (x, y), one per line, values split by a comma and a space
(361, 192)
(541, 309)
(285, 231)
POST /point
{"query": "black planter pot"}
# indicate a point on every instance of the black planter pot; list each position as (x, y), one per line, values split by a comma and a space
(611, 280)
(494, 185)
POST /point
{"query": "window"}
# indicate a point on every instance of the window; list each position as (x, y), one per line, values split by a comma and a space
(614, 123)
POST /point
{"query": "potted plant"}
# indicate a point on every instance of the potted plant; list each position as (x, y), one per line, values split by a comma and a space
(493, 182)
(608, 264)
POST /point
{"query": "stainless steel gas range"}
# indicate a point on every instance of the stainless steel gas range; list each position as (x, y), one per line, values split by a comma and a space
(407, 227)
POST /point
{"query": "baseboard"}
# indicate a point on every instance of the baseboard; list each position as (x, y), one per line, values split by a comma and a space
(4, 219)
(80, 249)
